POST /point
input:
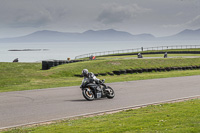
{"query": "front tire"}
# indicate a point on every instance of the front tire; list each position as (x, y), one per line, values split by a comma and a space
(110, 93)
(88, 94)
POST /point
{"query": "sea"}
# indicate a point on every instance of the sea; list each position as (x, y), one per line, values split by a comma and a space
(37, 52)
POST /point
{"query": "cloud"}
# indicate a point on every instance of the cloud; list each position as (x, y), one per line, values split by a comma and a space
(193, 23)
(117, 13)
(29, 14)
(31, 19)
(135, 16)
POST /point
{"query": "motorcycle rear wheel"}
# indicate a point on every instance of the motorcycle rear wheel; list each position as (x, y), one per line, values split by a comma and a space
(110, 93)
(88, 94)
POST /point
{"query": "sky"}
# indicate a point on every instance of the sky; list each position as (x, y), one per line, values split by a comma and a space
(157, 17)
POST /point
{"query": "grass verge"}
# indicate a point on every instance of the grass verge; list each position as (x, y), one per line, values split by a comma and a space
(150, 55)
(27, 76)
(182, 117)
(150, 51)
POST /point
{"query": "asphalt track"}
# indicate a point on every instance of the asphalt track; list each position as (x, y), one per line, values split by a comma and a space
(34, 106)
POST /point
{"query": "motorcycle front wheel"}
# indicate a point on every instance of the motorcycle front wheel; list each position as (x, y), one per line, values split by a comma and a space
(110, 93)
(88, 94)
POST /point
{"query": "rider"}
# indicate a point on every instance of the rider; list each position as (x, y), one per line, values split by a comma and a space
(89, 76)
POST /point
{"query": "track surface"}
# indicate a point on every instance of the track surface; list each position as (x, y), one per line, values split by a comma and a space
(23, 107)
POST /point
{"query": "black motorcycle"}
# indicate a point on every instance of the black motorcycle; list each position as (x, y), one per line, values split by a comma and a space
(92, 90)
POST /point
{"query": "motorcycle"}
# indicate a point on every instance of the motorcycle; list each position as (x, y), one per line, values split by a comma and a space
(92, 90)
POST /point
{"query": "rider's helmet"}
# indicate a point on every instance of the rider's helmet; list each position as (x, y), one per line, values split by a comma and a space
(85, 72)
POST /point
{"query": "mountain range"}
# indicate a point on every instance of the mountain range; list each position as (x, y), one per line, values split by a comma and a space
(99, 35)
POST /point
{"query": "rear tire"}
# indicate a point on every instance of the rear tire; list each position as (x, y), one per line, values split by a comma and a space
(88, 94)
(110, 93)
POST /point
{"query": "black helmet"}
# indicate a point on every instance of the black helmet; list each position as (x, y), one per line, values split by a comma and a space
(85, 72)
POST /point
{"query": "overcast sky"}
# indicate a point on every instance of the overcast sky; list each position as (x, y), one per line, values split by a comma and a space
(158, 17)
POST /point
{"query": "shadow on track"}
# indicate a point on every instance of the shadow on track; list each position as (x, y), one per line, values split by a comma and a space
(77, 100)
(84, 100)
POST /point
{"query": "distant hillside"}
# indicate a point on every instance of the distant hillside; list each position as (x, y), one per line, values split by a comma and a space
(90, 35)
(184, 35)
(99, 35)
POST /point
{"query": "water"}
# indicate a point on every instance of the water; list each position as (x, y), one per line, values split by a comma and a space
(62, 51)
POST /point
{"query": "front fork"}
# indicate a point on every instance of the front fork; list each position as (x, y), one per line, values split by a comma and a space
(103, 89)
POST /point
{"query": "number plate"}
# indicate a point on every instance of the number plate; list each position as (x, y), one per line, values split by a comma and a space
(98, 95)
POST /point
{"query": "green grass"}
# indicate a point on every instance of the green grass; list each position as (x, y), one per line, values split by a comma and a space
(149, 55)
(27, 76)
(123, 56)
(148, 51)
(182, 117)
(177, 117)
(102, 66)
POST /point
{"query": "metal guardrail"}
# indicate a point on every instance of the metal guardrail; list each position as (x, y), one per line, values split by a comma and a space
(138, 50)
